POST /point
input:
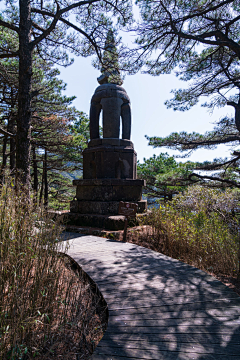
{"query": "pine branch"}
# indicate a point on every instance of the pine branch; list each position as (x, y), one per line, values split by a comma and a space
(214, 178)
(56, 17)
(6, 133)
(11, 55)
(9, 26)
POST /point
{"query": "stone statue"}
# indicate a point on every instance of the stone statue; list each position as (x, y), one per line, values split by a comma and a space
(109, 163)
(110, 98)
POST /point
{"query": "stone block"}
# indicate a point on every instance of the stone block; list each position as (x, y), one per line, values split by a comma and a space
(114, 222)
(127, 193)
(96, 221)
(94, 207)
(95, 192)
(107, 222)
(109, 193)
(101, 207)
(142, 206)
(111, 162)
(113, 182)
(109, 189)
(110, 141)
(111, 116)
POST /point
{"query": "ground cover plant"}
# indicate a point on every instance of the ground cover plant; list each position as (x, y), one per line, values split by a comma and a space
(46, 308)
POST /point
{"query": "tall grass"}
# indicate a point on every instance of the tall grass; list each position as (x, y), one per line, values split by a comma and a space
(38, 294)
(199, 228)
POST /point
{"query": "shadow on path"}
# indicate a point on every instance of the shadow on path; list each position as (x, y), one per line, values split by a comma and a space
(159, 308)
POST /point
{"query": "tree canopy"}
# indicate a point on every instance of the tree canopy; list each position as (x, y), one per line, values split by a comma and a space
(51, 30)
(164, 176)
(59, 132)
(200, 41)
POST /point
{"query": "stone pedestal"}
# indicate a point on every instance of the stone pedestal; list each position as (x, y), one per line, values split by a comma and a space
(110, 158)
(109, 163)
(109, 176)
(102, 196)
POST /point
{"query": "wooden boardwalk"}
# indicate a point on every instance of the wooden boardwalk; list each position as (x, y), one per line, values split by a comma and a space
(159, 308)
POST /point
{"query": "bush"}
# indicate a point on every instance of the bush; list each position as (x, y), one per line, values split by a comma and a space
(199, 228)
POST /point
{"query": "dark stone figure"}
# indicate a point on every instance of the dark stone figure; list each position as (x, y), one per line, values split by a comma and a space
(114, 103)
(109, 163)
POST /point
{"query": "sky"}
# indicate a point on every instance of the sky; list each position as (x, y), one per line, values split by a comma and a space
(149, 114)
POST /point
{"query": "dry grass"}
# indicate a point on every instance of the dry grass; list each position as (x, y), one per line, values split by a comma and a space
(199, 239)
(86, 319)
(143, 235)
(44, 304)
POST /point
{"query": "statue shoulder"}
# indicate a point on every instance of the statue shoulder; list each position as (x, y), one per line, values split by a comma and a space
(110, 90)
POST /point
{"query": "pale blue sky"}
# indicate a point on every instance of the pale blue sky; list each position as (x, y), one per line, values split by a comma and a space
(149, 114)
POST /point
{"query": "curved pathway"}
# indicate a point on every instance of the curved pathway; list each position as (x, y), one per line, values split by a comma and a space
(159, 308)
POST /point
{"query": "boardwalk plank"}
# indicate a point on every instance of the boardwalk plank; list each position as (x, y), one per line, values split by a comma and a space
(187, 329)
(120, 278)
(164, 298)
(174, 347)
(146, 303)
(155, 354)
(221, 315)
(170, 291)
(159, 308)
(165, 338)
(165, 357)
(176, 322)
(191, 306)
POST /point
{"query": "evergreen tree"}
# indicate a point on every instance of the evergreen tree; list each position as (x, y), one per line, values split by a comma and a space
(164, 176)
(200, 41)
(110, 65)
(47, 28)
(59, 132)
(217, 173)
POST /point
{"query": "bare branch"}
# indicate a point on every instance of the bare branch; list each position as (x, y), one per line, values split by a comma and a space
(57, 17)
(214, 178)
(83, 33)
(9, 26)
(6, 133)
(7, 56)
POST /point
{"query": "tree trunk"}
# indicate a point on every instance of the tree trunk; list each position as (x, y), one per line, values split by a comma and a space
(4, 159)
(12, 154)
(42, 184)
(24, 95)
(45, 180)
(35, 171)
(11, 124)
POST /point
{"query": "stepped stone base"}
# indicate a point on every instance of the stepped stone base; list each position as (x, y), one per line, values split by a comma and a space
(102, 207)
(94, 221)
(102, 196)
(109, 190)
(107, 222)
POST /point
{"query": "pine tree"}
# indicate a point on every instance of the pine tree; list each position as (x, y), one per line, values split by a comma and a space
(43, 27)
(200, 41)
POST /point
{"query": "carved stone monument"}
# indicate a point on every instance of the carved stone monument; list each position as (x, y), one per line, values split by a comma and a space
(109, 163)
